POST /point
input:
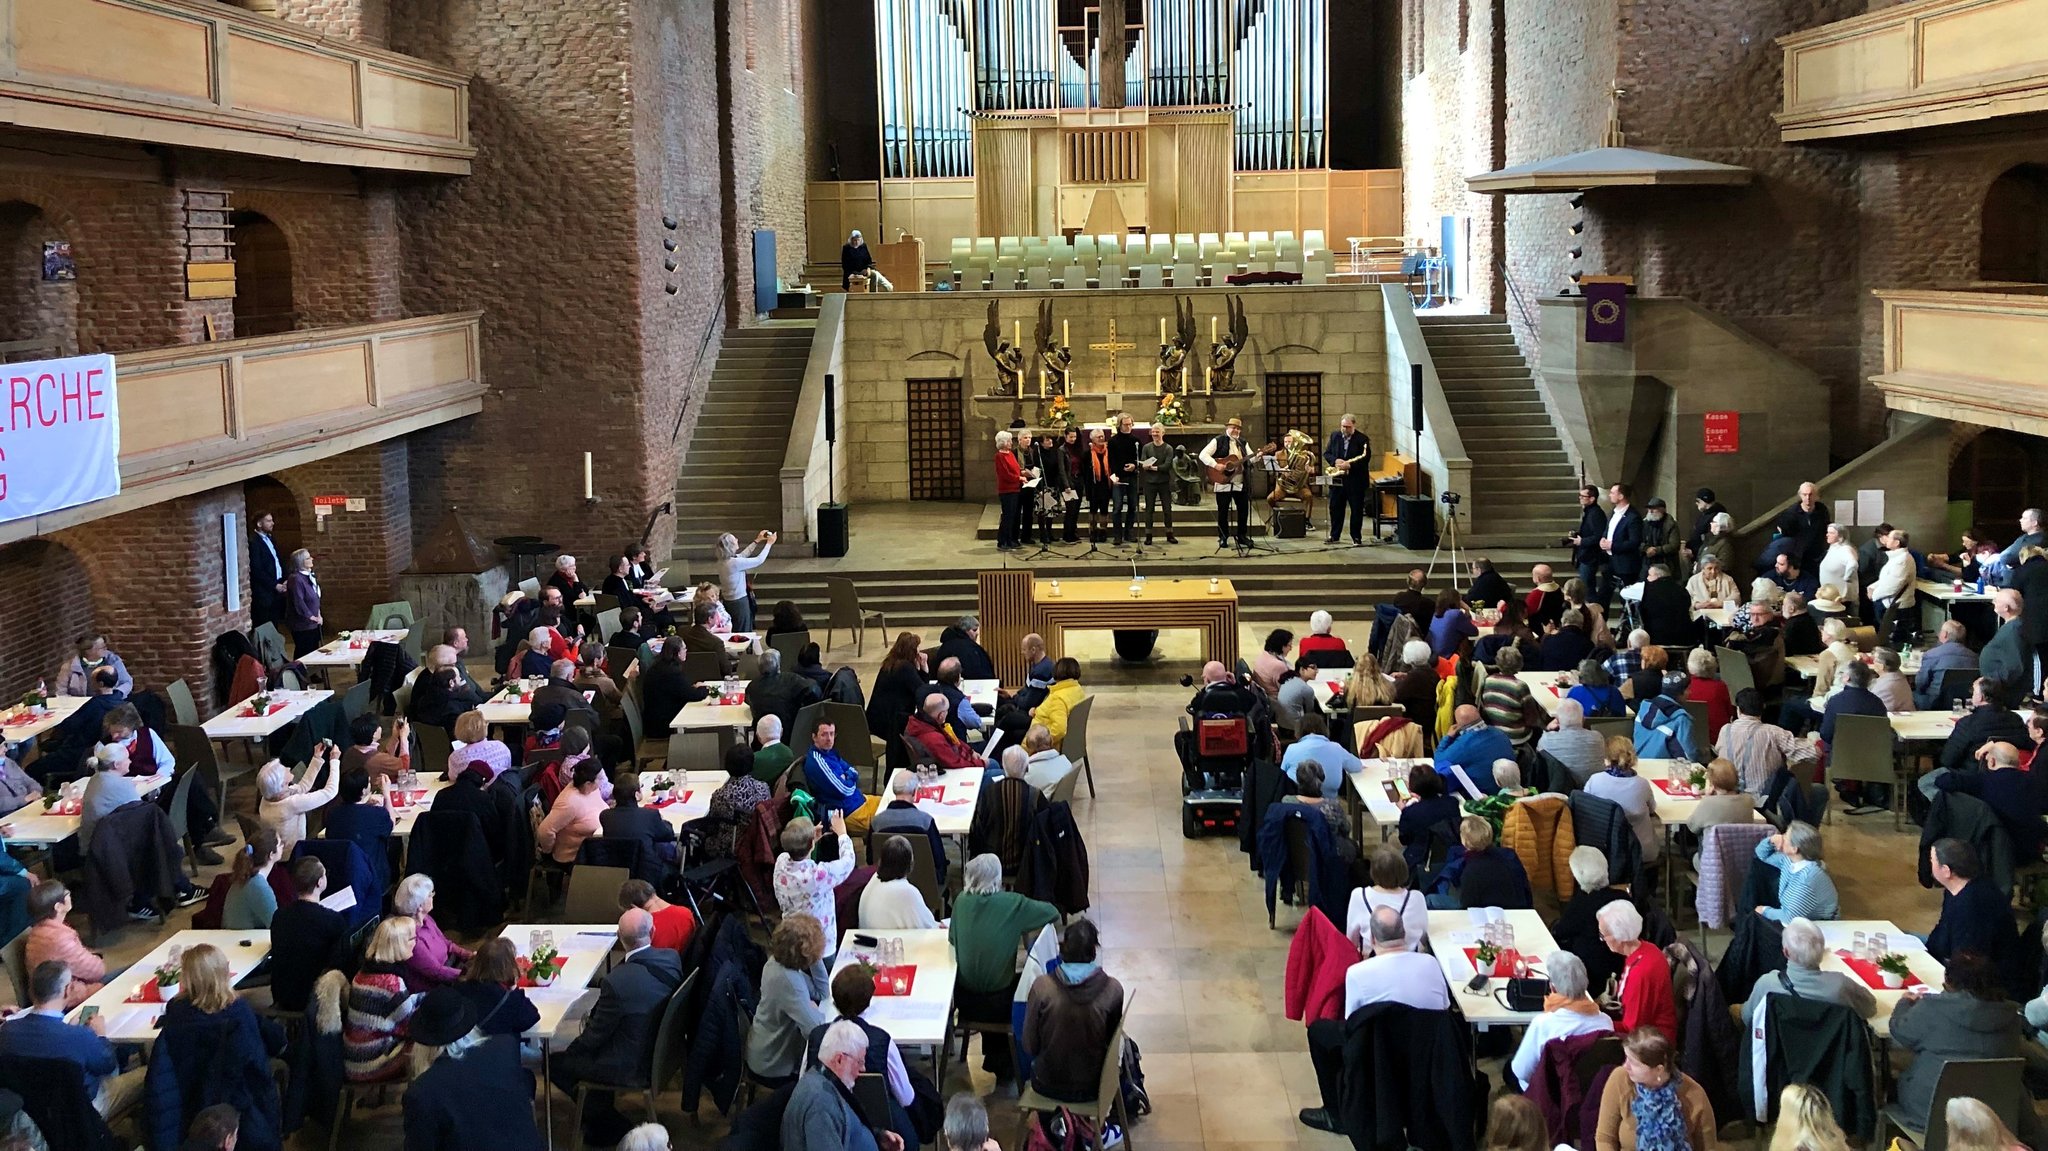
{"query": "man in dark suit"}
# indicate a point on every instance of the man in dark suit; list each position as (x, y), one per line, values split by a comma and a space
(1351, 486)
(41, 1033)
(560, 689)
(780, 693)
(1587, 557)
(443, 691)
(618, 1035)
(2030, 579)
(1621, 541)
(1123, 465)
(306, 939)
(699, 637)
(1666, 610)
(627, 820)
(66, 746)
(266, 572)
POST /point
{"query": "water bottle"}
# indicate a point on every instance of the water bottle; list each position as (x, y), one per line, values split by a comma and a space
(1980, 583)
(732, 686)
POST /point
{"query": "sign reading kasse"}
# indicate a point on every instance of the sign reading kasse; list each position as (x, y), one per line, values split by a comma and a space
(60, 436)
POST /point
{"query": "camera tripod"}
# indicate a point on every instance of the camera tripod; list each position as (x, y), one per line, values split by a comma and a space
(1450, 534)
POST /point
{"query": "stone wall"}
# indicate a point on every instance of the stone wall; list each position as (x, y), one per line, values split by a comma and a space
(892, 338)
(764, 127)
(1453, 111)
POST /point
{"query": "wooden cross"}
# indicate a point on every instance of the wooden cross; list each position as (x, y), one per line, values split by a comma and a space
(1112, 347)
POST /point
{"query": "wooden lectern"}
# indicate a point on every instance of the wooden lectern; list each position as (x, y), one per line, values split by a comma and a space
(902, 263)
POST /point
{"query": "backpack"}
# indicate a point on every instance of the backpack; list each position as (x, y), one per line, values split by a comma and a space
(1062, 1130)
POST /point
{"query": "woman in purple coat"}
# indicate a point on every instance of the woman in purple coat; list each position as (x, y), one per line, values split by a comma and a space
(302, 603)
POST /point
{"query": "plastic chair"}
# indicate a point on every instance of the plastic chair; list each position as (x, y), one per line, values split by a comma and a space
(357, 701)
(594, 893)
(390, 616)
(435, 748)
(607, 623)
(847, 613)
(1995, 1082)
(1109, 1099)
(1187, 274)
(1151, 276)
(1073, 276)
(1075, 745)
(184, 709)
(1063, 791)
(789, 644)
(1735, 670)
(269, 645)
(671, 1039)
(1864, 751)
(1038, 277)
(701, 666)
(16, 954)
(181, 818)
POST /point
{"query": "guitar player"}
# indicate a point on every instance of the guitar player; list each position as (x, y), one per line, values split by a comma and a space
(1225, 458)
(1351, 478)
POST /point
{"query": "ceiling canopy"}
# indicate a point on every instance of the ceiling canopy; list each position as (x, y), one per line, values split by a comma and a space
(1612, 167)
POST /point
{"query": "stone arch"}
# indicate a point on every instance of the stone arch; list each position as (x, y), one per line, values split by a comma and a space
(31, 307)
(2000, 473)
(37, 630)
(266, 302)
(270, 494)
(2013, 232)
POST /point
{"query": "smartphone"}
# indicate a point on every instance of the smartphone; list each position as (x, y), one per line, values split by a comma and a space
(860, 940)
(86, 1013)
(1477, 984)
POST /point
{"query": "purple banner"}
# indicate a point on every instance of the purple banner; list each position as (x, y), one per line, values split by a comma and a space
(1606, 313)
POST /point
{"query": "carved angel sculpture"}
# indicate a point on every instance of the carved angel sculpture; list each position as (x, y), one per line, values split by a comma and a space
(1008, 357)
(1223, 353)
(1056, 357)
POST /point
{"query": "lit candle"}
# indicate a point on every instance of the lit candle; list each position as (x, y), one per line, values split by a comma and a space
(1065, 342)
(1162, 329)
(1017, 333)
(587, 492)
(1212, 329)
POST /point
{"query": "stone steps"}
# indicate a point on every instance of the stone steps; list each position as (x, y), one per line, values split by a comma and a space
(730, 476)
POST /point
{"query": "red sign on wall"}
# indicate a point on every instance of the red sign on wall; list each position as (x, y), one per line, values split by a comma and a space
(1724, 432)
(330, 501)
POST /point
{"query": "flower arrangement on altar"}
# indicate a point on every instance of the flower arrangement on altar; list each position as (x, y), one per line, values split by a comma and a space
(1172, 412)
(1058, 414)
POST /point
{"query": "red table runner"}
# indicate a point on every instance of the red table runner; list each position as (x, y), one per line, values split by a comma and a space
(1871, 976)
(886, 977)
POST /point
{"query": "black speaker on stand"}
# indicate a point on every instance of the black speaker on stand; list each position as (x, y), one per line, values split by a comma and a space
(1415, 529)
(832, 524)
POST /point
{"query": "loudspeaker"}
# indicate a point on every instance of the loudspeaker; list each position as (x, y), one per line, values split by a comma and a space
(1416, 530)
(1290, 522)
(832, 529)
(832, 423)
(1414, 397)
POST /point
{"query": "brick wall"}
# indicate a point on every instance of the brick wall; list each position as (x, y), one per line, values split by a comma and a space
(365, 20)
(32, 308)
(158, 580)
(49, 606)
(766, 142)
(345, 258)
(357, 555)
(1453, 112)
(127, 238)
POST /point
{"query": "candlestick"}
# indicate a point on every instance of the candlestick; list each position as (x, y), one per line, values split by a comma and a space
(1162, 329)
(587, 492)
(1065, 342)
(1212, 329)
(1016, 333)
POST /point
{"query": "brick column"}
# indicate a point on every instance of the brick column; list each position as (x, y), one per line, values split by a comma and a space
(159, 580)
(357, 555)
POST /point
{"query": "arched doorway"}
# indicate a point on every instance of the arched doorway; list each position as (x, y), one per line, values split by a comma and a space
(2015, 233)
(37, 631)
(264, 494)
(38, 286)
(263, 276)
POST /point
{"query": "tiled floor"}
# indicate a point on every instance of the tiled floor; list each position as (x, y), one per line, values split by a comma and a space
(1184, 926)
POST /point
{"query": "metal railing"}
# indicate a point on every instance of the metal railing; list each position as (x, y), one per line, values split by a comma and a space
(711, 328)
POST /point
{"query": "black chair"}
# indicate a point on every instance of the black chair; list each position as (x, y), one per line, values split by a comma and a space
(53, 1094)
(1955, 685)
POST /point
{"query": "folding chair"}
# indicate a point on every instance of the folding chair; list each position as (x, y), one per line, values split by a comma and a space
(1994, 1082)
(847, 613)
(1109, 1097)
(1075, 745)
(1865, 752)
(594, 893)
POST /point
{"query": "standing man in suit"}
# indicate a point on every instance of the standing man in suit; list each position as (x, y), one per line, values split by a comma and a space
(1349, 454)
(1587, 555)
(266, 572)
(1622, 543)
(619, 1032)
(1155, 480)
(1123, 463)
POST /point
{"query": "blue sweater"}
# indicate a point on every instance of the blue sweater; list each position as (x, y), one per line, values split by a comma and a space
(41, 1036)
(1805, 891)
(1473, 749)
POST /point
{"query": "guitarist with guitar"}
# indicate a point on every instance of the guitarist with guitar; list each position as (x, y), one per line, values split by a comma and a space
(1224, 460)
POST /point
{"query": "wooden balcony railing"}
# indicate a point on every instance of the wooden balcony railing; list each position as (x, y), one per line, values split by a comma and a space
(200, 416)
(1972, 355)
(1918, 64)
(201, 74)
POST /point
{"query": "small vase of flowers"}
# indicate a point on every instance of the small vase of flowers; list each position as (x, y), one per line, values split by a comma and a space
(544, 965)
(1173, 411)
(259, 704)
(1697, 779)
(168, 978)
(1892, 966)
(1059, 414)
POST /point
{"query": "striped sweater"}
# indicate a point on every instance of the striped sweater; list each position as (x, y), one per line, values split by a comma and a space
(373, 1041)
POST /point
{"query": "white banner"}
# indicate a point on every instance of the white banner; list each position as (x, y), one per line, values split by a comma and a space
(60, 435)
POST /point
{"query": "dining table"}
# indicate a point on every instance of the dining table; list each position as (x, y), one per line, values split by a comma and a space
(38, 825)
(1454, 934)
(241, 721)
(130, 1003)
(21, 723)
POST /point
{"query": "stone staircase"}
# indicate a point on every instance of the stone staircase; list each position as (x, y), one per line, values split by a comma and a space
(731, 474)
(1524, 491)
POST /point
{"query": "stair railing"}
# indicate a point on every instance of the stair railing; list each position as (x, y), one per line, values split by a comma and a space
(1515, 292)
(712, 326)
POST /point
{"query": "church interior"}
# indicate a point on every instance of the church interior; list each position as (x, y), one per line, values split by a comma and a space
(450, 290)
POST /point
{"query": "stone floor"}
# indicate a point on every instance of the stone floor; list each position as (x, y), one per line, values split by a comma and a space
(1184, 927)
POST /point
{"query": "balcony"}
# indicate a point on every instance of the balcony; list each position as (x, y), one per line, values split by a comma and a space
(199, 74)
(1972, 355)
(200, 416)
(1917, 65)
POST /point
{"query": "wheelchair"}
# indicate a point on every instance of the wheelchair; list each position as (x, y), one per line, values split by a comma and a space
(1215, 756)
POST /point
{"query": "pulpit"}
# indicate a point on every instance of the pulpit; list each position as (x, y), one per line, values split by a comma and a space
(902, 263)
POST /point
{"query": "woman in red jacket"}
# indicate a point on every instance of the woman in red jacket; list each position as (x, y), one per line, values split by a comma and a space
(1009, 489)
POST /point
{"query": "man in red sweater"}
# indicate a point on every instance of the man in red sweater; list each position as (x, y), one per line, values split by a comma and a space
(1646, 996)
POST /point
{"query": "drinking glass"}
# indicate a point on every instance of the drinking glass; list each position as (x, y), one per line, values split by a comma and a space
(533, 941)
(1859, 946)
(1879, 945)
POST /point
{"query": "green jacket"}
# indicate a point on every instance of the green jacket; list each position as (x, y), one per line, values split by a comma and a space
(985, 931)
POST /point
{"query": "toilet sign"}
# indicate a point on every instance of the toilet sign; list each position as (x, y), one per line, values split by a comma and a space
(1724, 432)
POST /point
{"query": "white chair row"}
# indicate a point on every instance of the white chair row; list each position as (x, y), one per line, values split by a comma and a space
(1008, 275)
(1177, 246)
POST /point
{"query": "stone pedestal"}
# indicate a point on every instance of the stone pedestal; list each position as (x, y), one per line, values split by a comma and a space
(444, 600)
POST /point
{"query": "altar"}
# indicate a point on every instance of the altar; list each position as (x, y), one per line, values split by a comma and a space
(924, 396)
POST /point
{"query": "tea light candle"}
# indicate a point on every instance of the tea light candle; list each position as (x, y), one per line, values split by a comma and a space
(1055, 587)
(1215, 585)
